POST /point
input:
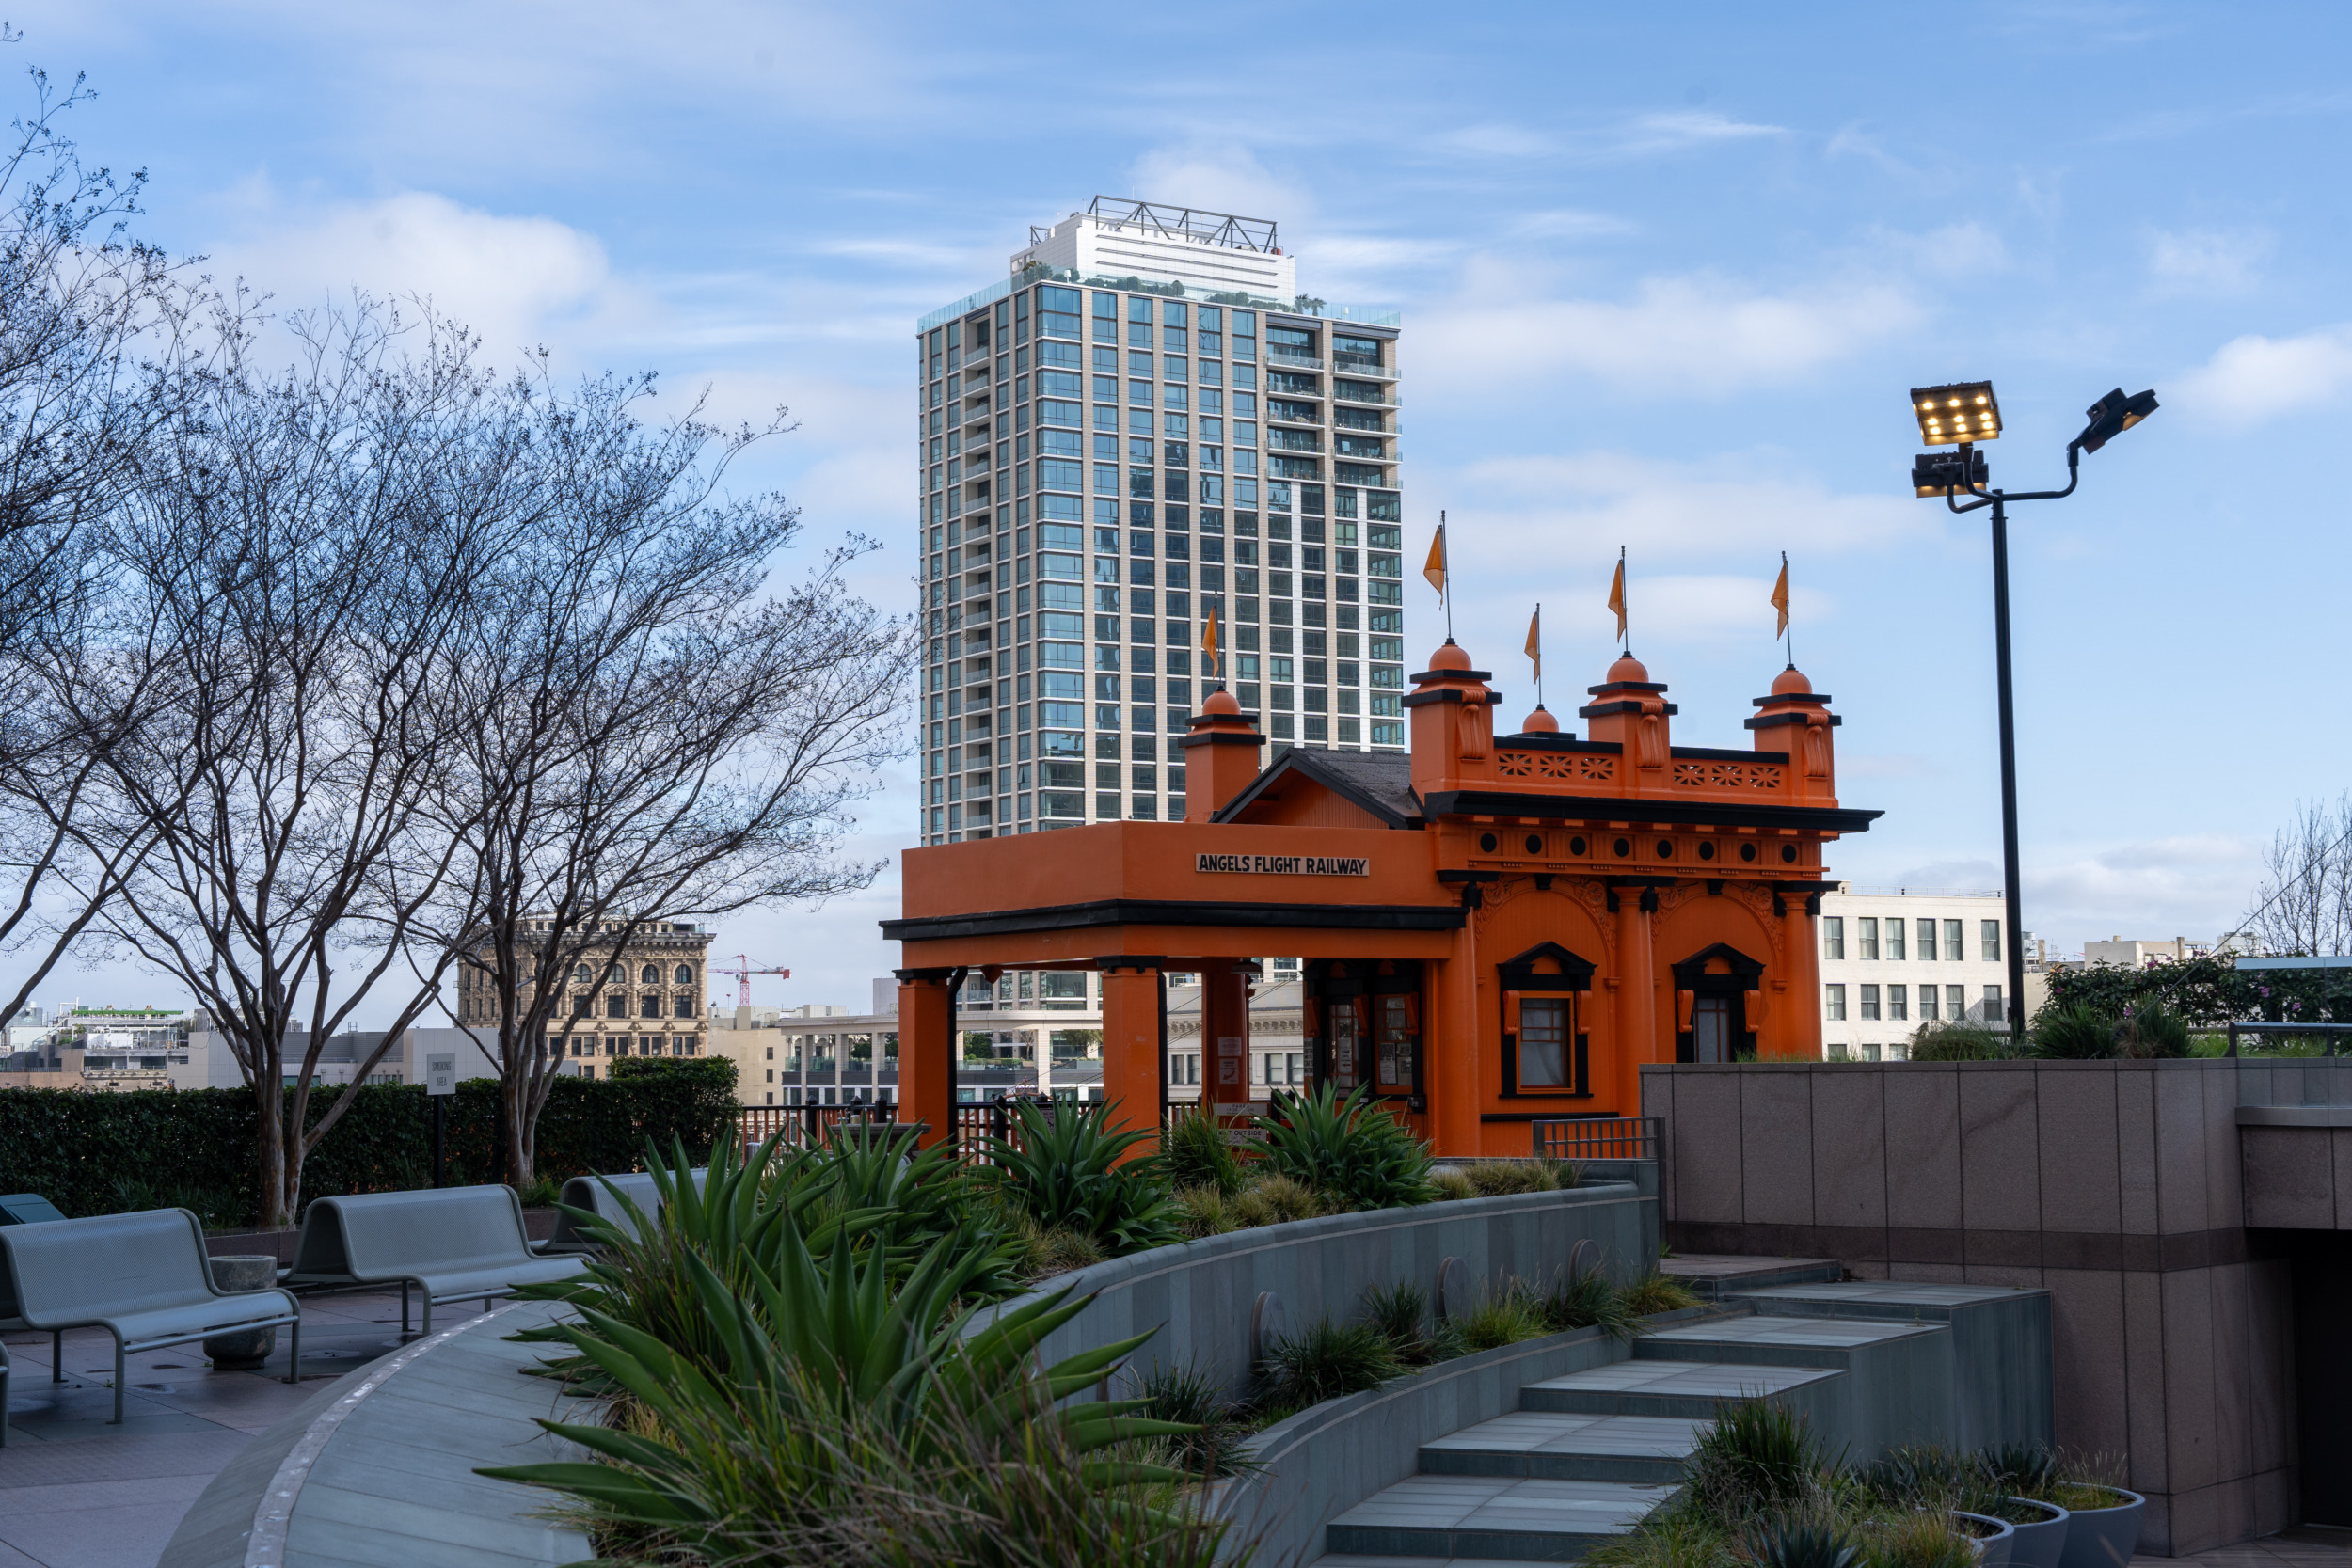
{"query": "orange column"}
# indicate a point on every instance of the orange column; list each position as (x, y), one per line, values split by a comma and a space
(1799, 1015)
(1224, 1033)
(926, 1053)
(1452, 1072)
(1131, 1047)
(1637, 998)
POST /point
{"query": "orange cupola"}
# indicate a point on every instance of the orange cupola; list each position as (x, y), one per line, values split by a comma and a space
(1540, 722)
(1220, 755)
(1631, 710)
(1796, 720)
(1453, 718)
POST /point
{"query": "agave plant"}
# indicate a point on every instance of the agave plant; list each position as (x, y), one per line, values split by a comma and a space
(1349, 1149)
(809, 1355)
(1065, 1170)
(1199, 1154)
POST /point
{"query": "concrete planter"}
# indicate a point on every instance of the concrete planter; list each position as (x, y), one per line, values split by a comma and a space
(1995, 1538)
(2104, 1537)
(2039, 1545)
(243, 1352)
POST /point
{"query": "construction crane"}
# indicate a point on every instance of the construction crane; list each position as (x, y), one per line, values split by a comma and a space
(744, 973)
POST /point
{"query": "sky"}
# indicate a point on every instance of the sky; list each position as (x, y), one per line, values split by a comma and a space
(1667, 274)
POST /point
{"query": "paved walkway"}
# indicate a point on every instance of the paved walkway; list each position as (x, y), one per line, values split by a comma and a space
(76, 1492)
(2308, 1546)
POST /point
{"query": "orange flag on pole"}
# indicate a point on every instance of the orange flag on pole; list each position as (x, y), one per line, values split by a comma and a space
(1434, 568)
(1535, 640)
(1208, 643)
(1780, 595)
(1616, 594)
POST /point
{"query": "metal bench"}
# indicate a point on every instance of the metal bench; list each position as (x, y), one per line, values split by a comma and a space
(21, 1209)
(142, 1277)
(593, 1194)
(451, 1245)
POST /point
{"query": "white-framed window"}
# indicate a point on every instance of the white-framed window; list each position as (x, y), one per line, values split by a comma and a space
(1898, 998)
(1871, 1002)
(1834, 937)
(1833, 1002)
(1991, 932)
(1866, 936)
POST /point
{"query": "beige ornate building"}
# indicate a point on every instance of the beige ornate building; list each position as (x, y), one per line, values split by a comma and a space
(649, 1001)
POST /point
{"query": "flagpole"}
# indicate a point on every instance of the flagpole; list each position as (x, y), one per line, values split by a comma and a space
(1445, 563)
(1624, 622)
(1540, 652)
(1792, 633)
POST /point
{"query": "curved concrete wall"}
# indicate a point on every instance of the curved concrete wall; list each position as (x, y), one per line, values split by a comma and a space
(377, 1471)
(1199, 1297)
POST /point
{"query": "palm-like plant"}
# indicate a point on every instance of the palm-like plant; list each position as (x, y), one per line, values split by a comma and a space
(1350, 1149)
(1067, 1169)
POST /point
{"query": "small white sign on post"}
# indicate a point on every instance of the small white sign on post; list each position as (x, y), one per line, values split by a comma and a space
(440, 1073)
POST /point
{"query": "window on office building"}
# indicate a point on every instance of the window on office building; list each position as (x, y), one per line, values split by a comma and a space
(1895, 941)
(1834, 999)
(1993, 1013)
(1866, 939)
(1992, 935)
(1955, 1003)
(1871, 1002)
(1927, 941)
(1927, 1009)
(1834, 937)
(1952, 949)
(1898, 997)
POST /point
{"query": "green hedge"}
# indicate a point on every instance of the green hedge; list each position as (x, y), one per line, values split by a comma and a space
(2211, 991)
(193, 1148)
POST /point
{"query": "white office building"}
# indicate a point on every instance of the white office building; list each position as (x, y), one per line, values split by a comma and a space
(1142, 424)
(1894, 959)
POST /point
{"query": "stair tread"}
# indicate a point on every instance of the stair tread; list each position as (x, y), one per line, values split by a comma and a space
(1562, 1432)
(1506, 1503)
(1894, 1293)
(1689, 1379)
(1826, 1332)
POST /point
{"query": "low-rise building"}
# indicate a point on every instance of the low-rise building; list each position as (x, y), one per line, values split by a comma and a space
(649, 1003)
(1894, 959)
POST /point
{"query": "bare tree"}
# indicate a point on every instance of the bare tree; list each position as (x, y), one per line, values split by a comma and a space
(2304, 903)
(290, 569)
(95, 354)
(654, 738)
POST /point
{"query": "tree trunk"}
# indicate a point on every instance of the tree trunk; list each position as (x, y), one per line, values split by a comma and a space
(269, 1105)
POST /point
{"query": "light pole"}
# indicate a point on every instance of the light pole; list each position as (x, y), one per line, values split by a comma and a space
(1960, 416)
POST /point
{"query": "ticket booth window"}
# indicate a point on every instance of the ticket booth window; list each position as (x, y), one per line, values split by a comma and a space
(1347, 1042)
(1399, 1053)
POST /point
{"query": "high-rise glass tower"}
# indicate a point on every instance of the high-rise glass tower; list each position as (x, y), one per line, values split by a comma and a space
(1145, 422)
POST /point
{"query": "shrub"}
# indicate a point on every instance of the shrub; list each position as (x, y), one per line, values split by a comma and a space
(1047, 1252)
(1187, 1397)
(2076, 1032)
(1199, 1154)
(1398, 1312)
(1272, 1200)
(1452, 1183)
(1656, 1292)
(1351, 1150)
(2022, 1470)
(1495, 1178)
(1590, 1301)
(1064, 1172)
(2150, 1031)
(1202, 1211)
(1958, 1042)
(1327, 1360)
(1933, 1479)
(1759, 1457)
(1503, 1318)
(1805, 1545)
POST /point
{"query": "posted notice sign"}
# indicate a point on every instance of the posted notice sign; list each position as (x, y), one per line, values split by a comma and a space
(1287, 865)
(440, 1073)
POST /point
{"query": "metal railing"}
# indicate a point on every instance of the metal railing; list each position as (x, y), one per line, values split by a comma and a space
(1584, 1138)
(2328, 1031)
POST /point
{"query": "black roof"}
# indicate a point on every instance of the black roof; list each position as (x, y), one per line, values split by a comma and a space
(1380, 781)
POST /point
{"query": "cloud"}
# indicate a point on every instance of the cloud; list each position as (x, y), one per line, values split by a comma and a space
(1223, 177)
(1499, 141)
(2255, 378)
(515, 281)
(1693, 335)
(1526, 507)
(1567, 223)
(2207, 260)
(2190, 885)
(1686, 128)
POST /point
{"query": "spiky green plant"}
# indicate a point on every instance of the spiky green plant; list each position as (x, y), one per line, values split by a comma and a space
(1064, 1170)
(2076, 1031)
(1199, 1154)
(1326, 1361)
(1400, 1314)
(1758, 1457)
(1590, 1301)
(1186, 1396)
(1349, 1149)
(1657, 1292)
(1805, 1546)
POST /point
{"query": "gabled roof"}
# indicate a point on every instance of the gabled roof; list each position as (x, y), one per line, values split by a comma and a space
(1379, 782)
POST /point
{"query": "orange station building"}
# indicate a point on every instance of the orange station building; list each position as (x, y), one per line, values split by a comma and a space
(1494, 929)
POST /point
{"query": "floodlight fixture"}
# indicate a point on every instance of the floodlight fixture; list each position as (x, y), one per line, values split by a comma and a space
(1963, 411)
(1947, 473)
(2113, 414)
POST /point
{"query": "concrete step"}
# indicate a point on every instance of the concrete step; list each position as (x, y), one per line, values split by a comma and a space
(1495, 1517)
(1716, 1275)
(1899, 1389)
(2000, 1344)
(1686, 1389)
(1558, 1446)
